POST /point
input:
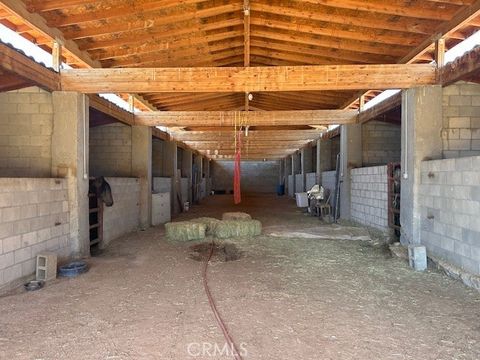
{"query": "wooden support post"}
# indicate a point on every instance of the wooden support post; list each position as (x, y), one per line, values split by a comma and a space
(56, 55)
(440, 52)
(131, 103)
(361, 103)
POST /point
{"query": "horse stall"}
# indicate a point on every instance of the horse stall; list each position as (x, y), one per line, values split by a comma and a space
(161, 185)
(34, 201)
(110, 149)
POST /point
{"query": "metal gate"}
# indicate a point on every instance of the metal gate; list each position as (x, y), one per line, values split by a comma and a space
(95, 216)
(394, 181)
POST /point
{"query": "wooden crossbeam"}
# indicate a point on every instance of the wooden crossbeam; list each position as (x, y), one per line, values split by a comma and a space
(21, 65)
(212, 146)
(273, 135)
(247, 157)
(247, 79)
(251, 118)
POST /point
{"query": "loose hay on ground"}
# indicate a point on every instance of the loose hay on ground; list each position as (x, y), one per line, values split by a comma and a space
(185, 230)
(236, 216)
(238, 228)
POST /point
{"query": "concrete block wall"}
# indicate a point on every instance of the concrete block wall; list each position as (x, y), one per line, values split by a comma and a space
(26, 118)
(449, 211)
(335, 149)
(381, 143)
(299, 185)
(328, 182)
(184, 188)
(162, 184)
(369, 196)
(34, 218)
(291, 185)
(157, 157)
(161, 212)
(461, 120)
(124, 216)
(310, 180)
(257, 176)
(111, 150)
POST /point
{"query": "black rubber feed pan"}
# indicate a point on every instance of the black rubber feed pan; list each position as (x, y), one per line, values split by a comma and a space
(73, 269)
(34, 285)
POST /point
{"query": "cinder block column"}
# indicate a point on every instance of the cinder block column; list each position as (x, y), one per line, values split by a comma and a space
(296, 169)
(170, 170)
(207, 176)
(281, 171)
(70, 161)
(142, 168)
(187, 170)
(421, 139)
(199, 165)
(324, 157)
(350, 157)
(306, 163)
(288, 171)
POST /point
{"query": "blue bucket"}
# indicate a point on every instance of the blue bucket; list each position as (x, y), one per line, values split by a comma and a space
(280, 190)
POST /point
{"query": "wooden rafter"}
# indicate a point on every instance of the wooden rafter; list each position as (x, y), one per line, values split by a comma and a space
(29, 70)
(462, 68)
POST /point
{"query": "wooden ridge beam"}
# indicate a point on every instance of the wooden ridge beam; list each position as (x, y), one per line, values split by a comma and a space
(248, 79)
(251, 118)
(15, 62)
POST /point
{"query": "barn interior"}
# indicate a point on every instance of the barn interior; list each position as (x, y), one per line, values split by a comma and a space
(192, 109)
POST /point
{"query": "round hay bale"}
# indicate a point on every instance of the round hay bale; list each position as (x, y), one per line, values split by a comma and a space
(185, 231)
(237, 228)
(236, 216)
(209, 222)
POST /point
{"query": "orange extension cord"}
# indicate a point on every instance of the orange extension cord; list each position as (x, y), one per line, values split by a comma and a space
(220, 322)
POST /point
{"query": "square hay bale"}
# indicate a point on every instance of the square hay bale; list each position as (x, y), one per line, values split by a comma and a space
(237, 228)
(236, 216)
(209, 222)
(185, 230)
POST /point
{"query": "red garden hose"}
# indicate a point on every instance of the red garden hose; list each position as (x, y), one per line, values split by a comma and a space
(220, 322)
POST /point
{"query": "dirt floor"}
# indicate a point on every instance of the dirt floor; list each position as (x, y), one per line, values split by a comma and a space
(286, 297)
